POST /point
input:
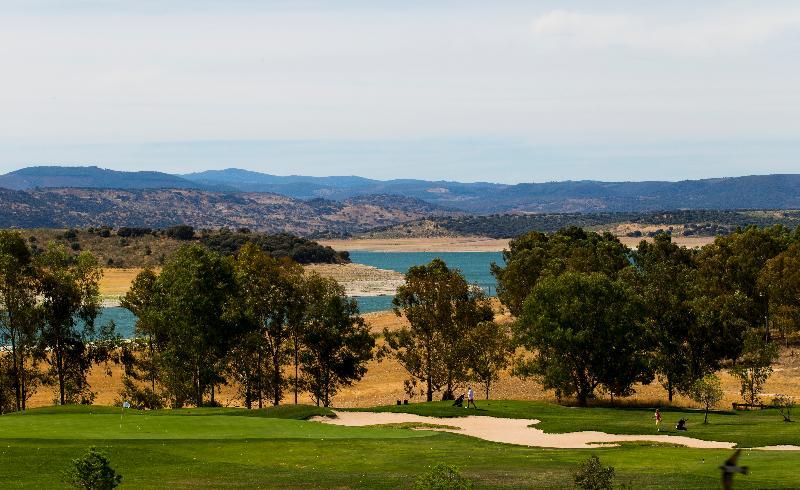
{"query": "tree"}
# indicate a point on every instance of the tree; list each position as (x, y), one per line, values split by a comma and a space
(754, 366)
(141, 299)
(18, 313)
(272, 299)
(707, 391)
(664, 276)
(336, 342)
(535, 256)
(785, 405)
(585, 330)
(733, 264)
(592, 475)
(192, 322)
(780, 281)
(442, 309)
(70, 302)
(93, 471)
(490, 353)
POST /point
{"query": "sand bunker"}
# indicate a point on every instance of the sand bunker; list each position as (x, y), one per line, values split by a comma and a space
(517, 431)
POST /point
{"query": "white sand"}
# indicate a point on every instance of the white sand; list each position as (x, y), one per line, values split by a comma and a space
(517, 431)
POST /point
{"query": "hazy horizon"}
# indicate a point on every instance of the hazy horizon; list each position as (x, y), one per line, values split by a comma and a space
(508, 92)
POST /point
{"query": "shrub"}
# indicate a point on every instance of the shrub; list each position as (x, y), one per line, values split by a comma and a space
(127, 231)
(442, 477)
(75, 246)
(784, 404)
(592, 475)
(93, 471)
(180, 232)
(140, 398)
(707, 391)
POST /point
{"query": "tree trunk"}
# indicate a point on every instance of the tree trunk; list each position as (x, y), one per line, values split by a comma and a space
(487, 389)
(296, 371)
(670, 390)
(198, 393)
(17, 374)
(260, 378)
(248, 401)
(276, 366)
(428, 376)
(60, 370)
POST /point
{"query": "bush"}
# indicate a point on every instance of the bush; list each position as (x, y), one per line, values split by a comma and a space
(93, 471)
(784, 404)
(442, 477)
(140, 398)
(127, 231)
(592, 475)
(180, 232)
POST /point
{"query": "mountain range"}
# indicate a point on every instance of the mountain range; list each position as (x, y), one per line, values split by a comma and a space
(748, 192)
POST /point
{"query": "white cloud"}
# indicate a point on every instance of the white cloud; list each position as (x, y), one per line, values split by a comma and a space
(685, 35)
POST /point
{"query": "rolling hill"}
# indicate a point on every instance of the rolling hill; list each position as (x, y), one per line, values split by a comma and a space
(158, 208)
(748, 192)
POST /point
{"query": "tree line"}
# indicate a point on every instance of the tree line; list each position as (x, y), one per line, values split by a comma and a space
(595, 314)
(48, 305)
(592, 314)
(205, 320)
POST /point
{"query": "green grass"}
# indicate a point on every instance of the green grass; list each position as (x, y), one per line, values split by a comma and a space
(216, 448)
(747, 429)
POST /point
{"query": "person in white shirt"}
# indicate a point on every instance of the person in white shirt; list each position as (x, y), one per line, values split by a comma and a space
(471, 398)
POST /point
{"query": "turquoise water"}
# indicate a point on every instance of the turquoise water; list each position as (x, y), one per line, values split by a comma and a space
(474, 266)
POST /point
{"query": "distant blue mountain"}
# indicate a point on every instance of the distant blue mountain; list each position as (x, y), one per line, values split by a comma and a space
(749, 192)
(92, 177)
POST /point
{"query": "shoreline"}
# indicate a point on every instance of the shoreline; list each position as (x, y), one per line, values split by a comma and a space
(471, 243)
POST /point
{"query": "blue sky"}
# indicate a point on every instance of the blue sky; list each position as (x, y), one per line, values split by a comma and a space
(493, 91)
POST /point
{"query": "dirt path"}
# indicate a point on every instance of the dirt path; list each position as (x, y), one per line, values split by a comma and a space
(517, 431)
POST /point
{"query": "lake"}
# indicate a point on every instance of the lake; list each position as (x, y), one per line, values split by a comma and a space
(474, 266)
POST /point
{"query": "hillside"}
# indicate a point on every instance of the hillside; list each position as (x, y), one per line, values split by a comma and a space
(92, 177)
(749, 192)
(687, 223)
(159, 208)
(145, 247)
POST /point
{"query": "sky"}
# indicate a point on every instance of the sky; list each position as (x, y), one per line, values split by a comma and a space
(501, 91)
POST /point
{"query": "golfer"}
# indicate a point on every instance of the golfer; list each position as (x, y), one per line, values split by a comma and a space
(471, 398)
(657, 416)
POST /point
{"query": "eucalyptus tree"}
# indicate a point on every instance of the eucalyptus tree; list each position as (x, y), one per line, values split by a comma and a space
(664, 277)
(18, 314)
(442, 309)
(195, 294)
(336, 341)
(68, 288)
(271, 296)
(534, 256)
(585, 330)
(140, 355)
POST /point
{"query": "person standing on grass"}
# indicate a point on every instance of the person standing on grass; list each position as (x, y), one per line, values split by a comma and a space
(471, 398)
(657, 416)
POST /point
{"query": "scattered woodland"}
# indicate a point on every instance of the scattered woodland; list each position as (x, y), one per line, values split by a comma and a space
(590, 316)
(134, 247)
